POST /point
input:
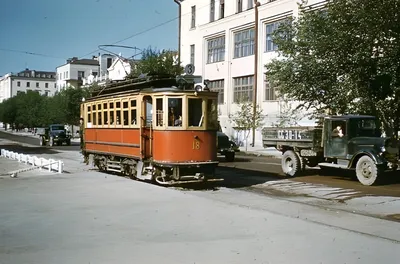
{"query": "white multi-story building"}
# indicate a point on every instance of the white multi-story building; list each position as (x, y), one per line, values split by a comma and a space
(217, 36)
(75, 70)
(42, 82)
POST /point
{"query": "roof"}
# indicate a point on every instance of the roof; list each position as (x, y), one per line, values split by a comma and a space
(27, 73)
(86, 62)
(350, 117)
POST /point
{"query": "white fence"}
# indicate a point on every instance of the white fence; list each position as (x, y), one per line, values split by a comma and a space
(36, 162)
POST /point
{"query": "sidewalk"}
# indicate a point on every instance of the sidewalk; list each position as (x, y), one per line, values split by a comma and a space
(260, 151)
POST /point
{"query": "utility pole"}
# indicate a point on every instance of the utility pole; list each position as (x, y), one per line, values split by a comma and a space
(256, 5)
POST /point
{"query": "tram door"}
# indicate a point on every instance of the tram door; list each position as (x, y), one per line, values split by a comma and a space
(146, 127)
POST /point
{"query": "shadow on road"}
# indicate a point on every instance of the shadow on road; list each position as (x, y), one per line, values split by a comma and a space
(28, 150)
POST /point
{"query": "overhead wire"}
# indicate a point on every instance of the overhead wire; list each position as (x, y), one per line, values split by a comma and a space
(30, 53)
(149, 29)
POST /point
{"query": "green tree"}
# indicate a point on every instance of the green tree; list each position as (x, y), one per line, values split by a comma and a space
(342, 59)
(154, 62)
(243, 121)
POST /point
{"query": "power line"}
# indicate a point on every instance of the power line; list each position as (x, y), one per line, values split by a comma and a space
(149, 29)
(31, 53)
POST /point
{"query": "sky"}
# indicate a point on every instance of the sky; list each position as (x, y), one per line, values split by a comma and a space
(55, 30)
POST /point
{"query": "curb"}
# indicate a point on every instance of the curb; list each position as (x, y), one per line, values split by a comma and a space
(258, 154)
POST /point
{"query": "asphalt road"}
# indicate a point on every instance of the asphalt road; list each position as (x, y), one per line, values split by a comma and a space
(246, 171)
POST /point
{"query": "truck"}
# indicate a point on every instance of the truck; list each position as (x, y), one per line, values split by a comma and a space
(351, 142)
(53, 134)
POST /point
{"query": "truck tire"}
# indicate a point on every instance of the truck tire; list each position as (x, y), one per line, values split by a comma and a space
(290, 162)
(230, 156)
(367, 171)
(42, 142)
(68, 142)
(51, 141)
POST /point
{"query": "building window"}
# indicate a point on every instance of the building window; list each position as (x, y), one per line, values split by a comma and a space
(221, 9)
(109, 63)
(216, 50)
(270, 29)
(46, 93)
(244, 43)
(19, 84)
(243, 88)
(46, 85)
(250, 4)
(81, 74)
(239, 6)
(212, 10)
(192, 54)
(193, 24)
(218, 86)
(269, 92)
(28, 84)
(37, 85)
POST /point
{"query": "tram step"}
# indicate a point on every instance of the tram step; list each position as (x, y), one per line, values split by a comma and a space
(115, 170)
(116, 167)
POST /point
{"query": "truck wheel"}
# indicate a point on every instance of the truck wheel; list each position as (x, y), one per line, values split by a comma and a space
(69, 142)
(366, 170)
(41, 141)
(290, 163)
(230, 156)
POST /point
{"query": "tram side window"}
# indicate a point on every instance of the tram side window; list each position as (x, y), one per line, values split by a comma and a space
(212, 114)
(174, 111)
(94, 111)
(133, 113)
(99, 115)
(118, 113)
(125, 116)
(105, 113)
(159, 112)
(111, 114)
(195, 112)
(89, 114)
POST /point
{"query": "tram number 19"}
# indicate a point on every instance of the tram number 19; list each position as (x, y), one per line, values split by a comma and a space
(196, 144)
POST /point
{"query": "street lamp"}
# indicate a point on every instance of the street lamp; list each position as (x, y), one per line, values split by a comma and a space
(256, 5)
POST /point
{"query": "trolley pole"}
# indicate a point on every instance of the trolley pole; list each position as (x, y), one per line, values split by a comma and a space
(256, 5)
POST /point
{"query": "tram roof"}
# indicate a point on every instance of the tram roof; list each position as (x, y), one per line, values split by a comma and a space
(147, 84)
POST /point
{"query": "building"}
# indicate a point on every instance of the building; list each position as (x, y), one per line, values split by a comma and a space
(118, 70)
(42, 82)
(217, 36)
(72, 73)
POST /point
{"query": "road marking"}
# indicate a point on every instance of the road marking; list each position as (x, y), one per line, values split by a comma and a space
(313, 190)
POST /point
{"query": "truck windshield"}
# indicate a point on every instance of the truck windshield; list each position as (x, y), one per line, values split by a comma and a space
(57, 127)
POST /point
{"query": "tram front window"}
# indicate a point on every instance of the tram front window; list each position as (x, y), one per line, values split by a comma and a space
(195, 112)
(174, 111)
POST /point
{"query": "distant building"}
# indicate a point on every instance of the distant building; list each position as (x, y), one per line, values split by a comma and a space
(43, 82)
(118, 70)
(218, 37)
(75, 71)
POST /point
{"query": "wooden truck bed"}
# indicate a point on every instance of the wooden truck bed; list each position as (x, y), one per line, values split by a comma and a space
(294, 137)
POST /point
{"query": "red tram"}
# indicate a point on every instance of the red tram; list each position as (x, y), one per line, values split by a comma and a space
(163, 130)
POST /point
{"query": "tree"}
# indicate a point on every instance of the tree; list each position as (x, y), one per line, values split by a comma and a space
(154, 62)
(342, 59)
(243, 120)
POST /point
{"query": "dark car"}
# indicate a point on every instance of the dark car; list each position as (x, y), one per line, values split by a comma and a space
(225, 146)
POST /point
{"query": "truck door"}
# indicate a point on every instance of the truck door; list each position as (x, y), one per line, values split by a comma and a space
(335, 138)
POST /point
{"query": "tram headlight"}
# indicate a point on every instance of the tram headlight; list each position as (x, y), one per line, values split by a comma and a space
(198, 88)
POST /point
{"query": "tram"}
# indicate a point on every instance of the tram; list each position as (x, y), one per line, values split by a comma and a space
(158, 129)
